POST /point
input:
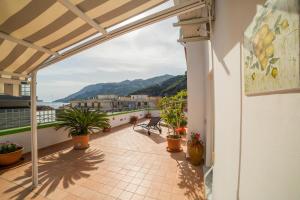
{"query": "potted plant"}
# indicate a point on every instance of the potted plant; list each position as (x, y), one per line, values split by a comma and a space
(80, 122)
(133, 119)
(10, 153)
(195, 148)
(172, 113)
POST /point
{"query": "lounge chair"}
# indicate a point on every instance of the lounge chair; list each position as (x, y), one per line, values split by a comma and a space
(153, 124)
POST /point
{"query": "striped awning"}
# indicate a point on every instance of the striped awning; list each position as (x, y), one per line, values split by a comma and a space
(31, 31)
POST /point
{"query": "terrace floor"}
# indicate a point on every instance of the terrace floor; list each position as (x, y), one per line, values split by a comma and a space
(123, 164)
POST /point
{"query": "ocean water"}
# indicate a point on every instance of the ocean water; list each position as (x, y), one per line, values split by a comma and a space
(54, 105)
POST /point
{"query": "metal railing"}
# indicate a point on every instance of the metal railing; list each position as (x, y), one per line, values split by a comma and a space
(20, 117)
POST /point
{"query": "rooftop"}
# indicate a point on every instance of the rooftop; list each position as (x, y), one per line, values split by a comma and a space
(123, 164)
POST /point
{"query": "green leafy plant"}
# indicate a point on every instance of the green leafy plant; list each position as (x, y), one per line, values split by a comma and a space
(9, 147)
(172, 110)
(81, 121)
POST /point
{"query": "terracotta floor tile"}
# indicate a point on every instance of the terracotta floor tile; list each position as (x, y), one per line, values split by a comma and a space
(116, 192)
(125, 195)
(142, 190)
(131, 188)
(123, 164)
(137, 197)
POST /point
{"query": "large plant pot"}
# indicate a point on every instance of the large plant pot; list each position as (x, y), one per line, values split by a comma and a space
(81, 142)
(174, 144)
(196, 154)
(10, 158)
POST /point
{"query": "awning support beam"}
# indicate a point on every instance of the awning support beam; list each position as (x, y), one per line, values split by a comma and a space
(164, 14)
(34, 147)
(82, 15)
(27, 44)
(199, 20)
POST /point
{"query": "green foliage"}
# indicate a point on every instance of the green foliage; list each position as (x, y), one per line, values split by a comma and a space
(80, 121)
(8, 147)
(172, 109)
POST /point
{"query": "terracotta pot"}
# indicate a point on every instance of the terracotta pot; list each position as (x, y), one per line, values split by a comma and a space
(195, 153)
(81, 142)
(174, 145)
(10, 158)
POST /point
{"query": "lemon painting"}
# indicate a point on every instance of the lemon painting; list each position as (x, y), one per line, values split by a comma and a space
(271, 48)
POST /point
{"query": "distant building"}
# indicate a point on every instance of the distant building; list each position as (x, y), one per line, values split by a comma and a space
(109, 103)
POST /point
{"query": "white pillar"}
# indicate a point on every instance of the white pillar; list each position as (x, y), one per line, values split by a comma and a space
(197, 68)
(34, 147)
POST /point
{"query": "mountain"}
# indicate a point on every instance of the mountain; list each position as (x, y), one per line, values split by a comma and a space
(167, 88)
(123, 88)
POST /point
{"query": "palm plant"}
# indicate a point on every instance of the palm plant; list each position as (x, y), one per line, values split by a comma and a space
(80, 121)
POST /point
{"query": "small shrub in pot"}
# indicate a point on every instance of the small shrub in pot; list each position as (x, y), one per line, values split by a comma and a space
(10, 153)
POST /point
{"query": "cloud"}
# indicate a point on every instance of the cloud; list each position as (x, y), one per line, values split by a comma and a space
(144, 53)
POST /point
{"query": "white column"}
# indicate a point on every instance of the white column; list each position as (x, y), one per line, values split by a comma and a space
(197, 67)
(34, 147)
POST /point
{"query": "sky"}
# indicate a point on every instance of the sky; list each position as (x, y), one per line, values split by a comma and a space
(141, 54)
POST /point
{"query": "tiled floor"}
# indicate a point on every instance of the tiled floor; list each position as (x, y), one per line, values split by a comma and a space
(123, 164)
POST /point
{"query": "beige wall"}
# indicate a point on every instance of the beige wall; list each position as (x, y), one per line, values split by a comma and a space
(1, 88)
(267, 126)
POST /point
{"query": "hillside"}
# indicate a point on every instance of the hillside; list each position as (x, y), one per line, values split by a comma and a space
(123, 88)
(167, 88)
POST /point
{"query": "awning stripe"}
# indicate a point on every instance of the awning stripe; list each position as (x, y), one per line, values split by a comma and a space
(36, 64)
(69, 36)
(49, 24)
(29, 62)
(9, 8)
(51, 14)
(21, 59)
(24, 16)
(57, 34)
(120, 10)
(5, 48)
(15, 53)
(90, 4)
(55, 25)
(62, 21)
(76, 39)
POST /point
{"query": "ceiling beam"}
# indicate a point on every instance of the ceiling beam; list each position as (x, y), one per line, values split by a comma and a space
(193, 39)
(192, 21)
(82, 15)
(27, 44)
(5, 74)
(159, 16)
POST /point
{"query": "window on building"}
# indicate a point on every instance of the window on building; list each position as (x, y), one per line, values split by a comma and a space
(25, 89)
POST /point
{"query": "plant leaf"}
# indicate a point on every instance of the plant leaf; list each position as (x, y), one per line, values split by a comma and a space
(277, 30)
(274, 60)
(268, 69)
(277, 21)
(255, 65)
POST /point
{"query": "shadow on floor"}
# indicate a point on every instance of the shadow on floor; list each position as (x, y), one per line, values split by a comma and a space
(156, 137)
(61, 169)
(191, 177)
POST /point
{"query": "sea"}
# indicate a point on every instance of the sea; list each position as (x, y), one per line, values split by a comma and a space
(54, 105)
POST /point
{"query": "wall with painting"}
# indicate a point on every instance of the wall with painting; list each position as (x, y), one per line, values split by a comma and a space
(257, 128)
